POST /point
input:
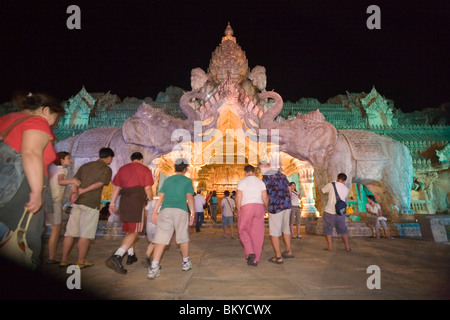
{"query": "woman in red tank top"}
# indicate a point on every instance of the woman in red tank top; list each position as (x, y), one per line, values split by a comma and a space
(31, 138)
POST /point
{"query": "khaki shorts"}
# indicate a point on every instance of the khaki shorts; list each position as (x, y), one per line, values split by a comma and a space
(170, 220)
(82, 222)
(279, 223)
(295, 215)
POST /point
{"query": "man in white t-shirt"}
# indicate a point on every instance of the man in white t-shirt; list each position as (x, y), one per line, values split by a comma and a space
(330, 218)
(251, 203)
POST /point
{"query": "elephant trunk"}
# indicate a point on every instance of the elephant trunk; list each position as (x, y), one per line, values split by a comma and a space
(267, 120)
(190, 113)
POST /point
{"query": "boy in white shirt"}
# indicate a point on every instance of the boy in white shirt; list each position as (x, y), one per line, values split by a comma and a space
(228, 207)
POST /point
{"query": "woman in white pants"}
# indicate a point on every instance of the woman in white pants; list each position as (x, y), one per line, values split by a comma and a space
(374, 209)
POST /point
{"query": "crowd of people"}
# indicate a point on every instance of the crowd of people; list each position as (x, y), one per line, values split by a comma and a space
(27, 136)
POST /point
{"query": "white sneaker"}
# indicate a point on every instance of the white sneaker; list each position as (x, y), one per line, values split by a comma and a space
(153, 273)
(186, 266)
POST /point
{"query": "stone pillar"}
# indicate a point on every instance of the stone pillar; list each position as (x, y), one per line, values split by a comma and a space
(306, 174)
(308, 208)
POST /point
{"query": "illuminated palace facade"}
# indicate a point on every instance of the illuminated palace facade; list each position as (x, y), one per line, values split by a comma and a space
(422, 133)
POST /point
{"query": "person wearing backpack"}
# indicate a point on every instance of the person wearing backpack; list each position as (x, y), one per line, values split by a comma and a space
(331, 219)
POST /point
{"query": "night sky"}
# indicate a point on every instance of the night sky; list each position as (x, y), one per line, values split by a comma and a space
(310, 48)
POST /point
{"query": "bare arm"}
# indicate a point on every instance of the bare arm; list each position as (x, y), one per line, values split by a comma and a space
(265, 199)
(114, 196)
(149, 192)
(65, 182)
(32, 149)
(93, 186)
(190, 201)
(156, 208)
(238, 199)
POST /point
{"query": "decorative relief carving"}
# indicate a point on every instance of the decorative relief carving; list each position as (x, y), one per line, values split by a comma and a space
(365, 145)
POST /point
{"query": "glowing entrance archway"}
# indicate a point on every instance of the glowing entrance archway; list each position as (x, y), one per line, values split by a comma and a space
(217, 164)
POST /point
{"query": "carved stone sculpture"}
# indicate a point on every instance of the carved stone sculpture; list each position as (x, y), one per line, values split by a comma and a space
(382, 164)
(150, 131)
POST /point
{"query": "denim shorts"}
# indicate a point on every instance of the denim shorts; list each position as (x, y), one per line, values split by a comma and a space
(227, 221)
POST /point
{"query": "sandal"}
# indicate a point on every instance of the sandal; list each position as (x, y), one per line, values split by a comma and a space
(251, 260)
(286, 254)
(85, 265)
(277, 260)
(64, 264)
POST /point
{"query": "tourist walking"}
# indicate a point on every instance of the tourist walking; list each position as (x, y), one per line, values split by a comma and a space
(150, 231)
(85, 211)
(27, 146)
(208, 207)
(58, 183)
(330, 218)
(200, 202)
(228, 208)
(174, 216)
(374, 209)
(133, 182)
(251, 205)
(214, 206)
(295, 212)
(280, 206)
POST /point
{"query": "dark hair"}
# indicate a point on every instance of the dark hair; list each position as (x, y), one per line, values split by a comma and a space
(249, 168)
(342, 176)
(292, 183)
(32, 101)
(226, 193)
(59, 156)
(181, 164)
(136, 156)
(105, 153)
(214, 193)
(371, 197)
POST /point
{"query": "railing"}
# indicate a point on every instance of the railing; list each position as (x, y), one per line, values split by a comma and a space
(419, 206)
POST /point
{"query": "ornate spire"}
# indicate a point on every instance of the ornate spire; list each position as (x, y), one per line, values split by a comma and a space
(228, 60)
(229, 34)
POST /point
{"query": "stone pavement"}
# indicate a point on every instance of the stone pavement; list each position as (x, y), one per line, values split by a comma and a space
(410, 269)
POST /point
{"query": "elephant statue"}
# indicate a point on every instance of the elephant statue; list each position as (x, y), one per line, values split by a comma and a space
(149, 131)
(381, 163)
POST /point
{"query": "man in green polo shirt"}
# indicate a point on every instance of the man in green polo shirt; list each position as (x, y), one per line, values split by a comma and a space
(174, 216)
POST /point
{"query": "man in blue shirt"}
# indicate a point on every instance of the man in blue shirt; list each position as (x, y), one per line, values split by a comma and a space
(280, 206)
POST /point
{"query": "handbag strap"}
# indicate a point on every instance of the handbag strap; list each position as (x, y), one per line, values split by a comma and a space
(231, 208)
(24, 230)
(8, 130)
(335, 191)
(19, 226)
